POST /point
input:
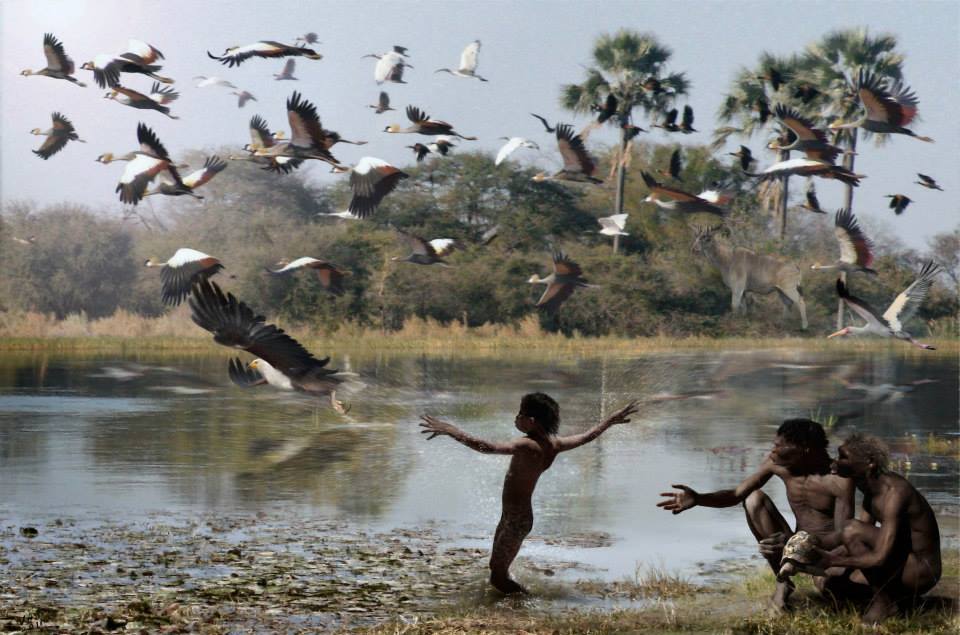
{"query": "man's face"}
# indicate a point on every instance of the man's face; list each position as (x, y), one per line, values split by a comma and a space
(525, 423)
(848, 464)
(786, 453)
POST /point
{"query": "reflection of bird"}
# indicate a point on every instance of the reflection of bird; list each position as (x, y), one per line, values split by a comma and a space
(578, 164)
(383, 103)
(890, 324)
(886, 110)
(428, 252)
(329, 275)
(59, 65)
(281, 361)
(468, 63)
(856, 249)
(879, 393)
(671, 198)
(566, 277)
(287, 72)
(928, 182)
(267, 49)
(812, 204)
(182, 271)
(898, 202)
(423, 124)
(371, 179)
(511, 145)
(56, 136)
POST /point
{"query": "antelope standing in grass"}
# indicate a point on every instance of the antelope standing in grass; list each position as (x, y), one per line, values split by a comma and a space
(745, 270)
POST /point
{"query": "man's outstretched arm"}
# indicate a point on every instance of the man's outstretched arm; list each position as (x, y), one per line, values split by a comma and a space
(435, 427)
(686, 497)
(576, 440)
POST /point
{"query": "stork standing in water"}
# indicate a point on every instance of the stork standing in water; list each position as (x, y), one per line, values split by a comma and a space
(856, 249)
(182, 271)
(566, 277)
(56, 136)
(468, 63)
(887, 110)
(281, 361)
(890, 324)
(578, 165)
(59, 65)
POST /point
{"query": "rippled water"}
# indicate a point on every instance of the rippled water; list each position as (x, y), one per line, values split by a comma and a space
(107, 437)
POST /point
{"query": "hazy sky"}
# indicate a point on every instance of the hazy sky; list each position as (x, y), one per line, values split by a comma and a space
(529, 50)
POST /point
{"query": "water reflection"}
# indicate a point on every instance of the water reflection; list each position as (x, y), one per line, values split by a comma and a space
(132, 436)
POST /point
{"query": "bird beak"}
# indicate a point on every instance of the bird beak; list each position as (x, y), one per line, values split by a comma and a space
(842, 331)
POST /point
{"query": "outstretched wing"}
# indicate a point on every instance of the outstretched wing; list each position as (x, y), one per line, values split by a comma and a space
(244, 376)
(371, 180)
(57, 59)
(855, 246)
(211, 167)
(574, 153)
(150, 143)
(906, 304)
(897, 106)
(468, 59)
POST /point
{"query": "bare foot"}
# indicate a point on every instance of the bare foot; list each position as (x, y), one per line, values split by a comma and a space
(881, 607)
(781, 595)
(507, 586)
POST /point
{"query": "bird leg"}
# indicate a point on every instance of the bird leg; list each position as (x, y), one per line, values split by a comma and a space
(338, 406)
(922, 345)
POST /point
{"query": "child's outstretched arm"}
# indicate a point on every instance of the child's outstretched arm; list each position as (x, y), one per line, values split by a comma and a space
(576, 440)
(435, 427)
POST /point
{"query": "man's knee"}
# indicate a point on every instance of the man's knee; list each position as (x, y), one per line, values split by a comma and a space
(756, 502)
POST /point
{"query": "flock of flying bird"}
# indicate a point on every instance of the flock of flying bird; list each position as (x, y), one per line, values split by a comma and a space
(283, 362)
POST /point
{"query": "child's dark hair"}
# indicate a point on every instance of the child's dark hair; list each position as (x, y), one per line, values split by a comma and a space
(543, 408)
(805, 433)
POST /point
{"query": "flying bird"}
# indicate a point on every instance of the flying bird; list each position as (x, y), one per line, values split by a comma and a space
(308, 139)
(745, 156)
(812, 203)
(441, 146)
(888, 110)
(806, 137)
(686, 124)
(389, 67)
(287, 72)
(468, 63)
(267, 49)
(182, 271)
(281, 361)
(308, 38)
(676, 166)
(370, 181)
(578, 164)
(157, 100)
(762, 108)
(898, 202)
(262, 139)
(329, 275)
(383, 103)
(139, 57)
(669, 122)
(567, 276)
(856, 249)
(428, 252)
(243, 97)
(511, 145)
(59, 65)
(422, 124)
(809, 167)
(206, 82)
(56, 136)
(213, 166)
(890, 324)
(774, 76)
(613, 225)
(928, 182)
(606, 110)
(709, 201)
(144, 165)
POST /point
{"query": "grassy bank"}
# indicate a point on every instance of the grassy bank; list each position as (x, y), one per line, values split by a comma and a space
(175, 332)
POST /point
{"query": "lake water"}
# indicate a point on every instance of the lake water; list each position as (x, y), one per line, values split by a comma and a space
(126, 438)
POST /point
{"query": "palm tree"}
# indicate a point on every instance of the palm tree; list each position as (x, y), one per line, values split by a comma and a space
(832, 65)
(748, 103)
(631, 66)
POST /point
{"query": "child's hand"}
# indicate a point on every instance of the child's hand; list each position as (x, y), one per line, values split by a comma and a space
(434, 427)
(623, 415)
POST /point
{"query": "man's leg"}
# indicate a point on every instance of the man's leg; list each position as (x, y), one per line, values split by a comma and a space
(766, 521)
(506, 544)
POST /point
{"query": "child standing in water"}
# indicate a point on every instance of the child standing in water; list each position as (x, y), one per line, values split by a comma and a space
(532, 454)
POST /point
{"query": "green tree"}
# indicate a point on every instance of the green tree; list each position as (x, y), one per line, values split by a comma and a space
(627, 65)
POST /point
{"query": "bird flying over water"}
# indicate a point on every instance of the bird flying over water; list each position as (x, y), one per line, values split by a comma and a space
(329, 275)
(182, 271)
(856, 249)
(567, 276)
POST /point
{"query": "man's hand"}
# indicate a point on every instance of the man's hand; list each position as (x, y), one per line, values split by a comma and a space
(622, 415)
(435, 428)
(773, 546)
(677, 502)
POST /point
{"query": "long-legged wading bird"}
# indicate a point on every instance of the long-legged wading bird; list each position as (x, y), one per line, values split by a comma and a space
(182, 271)
(371, 179)
(213, 166)
(890, 324)
(887, 110)
(287, 72)
(578, 164)
(157, 100)
(143, 166)
(389, 67)
(329, 275)
(59, 65)
(428, 252)
(423, 124)
(281, 361)
(383, 103)
(812, 203)
(139, 57)
(898, 202)
(57, 136)
(708, 201)
(511, 145)
(468, 63)
(566, 277)
(267, 49)
(856, 249)
(928, 182)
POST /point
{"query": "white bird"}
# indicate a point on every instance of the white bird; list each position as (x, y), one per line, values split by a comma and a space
(512, 143)
(370, 180)
(468, 62)
(613, 225)
(287, 72)
(809, 167)
(206, 82)
(139, 57)
(890, 324)
(345, 214)
(186, 267)
(389, 67)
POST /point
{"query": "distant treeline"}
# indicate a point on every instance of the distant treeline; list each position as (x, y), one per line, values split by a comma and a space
(67, 259)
